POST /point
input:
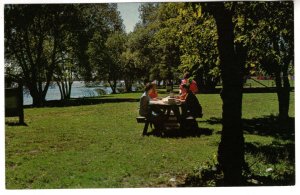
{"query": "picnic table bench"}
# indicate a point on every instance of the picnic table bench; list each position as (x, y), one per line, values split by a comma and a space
(141, 119)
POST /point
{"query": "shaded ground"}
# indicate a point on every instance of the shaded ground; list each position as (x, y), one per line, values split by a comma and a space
(179, 133)
(266, 126)
(279, 155)
(84, 101)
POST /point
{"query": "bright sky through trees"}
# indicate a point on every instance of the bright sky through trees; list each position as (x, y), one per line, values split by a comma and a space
(130, 15)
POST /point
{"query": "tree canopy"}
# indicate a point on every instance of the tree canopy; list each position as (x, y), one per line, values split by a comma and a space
(50, 42)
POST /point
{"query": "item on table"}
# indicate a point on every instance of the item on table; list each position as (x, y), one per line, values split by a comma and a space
(165, 100)
(172, 101)
(171, 95)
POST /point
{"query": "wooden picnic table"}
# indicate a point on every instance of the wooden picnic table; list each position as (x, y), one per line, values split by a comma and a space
(169, 108)
(175, 114)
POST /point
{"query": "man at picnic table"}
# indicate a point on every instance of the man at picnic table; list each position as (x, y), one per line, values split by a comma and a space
(192, 107)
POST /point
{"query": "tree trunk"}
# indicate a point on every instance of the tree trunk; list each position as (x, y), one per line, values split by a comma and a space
(37, 99)
(60, 90)
(128, 85)
(65, 89)
(113, 86)
(231, 148)
(70, 89)
(283, 95)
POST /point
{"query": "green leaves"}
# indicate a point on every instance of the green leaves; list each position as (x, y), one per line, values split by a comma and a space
(268, 33)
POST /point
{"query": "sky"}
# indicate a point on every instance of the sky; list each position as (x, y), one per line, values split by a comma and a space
(130, 15)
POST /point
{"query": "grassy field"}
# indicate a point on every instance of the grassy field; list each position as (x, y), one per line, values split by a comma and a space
(100, 146)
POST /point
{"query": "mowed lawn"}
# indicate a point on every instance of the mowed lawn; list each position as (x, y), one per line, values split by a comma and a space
(100, 146)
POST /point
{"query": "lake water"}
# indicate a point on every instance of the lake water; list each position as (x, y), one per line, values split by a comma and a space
(79, 90)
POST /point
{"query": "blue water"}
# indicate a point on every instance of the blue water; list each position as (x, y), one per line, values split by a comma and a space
(79, 90)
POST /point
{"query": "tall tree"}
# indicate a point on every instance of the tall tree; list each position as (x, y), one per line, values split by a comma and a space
(106, 30)
(143, 37)
(33, 34)
(199, 52)
(273, 48)
(166, 43)
(231, 147)
(115, 45)
(131, 70)
(50, 42)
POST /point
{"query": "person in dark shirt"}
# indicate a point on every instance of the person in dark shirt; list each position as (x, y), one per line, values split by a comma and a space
(192, 106)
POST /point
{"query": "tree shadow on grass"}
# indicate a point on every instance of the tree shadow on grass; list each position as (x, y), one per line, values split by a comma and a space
(265, 126)
(271, 126)
(279, 157)
(182, 133)
(273, 152)
(274, 163)
(10, 123)
(84, 101)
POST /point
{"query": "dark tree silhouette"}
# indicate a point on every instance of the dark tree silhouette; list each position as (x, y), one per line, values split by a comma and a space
(231, 148)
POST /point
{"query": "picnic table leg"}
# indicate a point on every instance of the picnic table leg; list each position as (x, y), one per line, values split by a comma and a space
(146, 127)
(176, 113)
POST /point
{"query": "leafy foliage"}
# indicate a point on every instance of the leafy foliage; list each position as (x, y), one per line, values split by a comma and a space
(50, 42)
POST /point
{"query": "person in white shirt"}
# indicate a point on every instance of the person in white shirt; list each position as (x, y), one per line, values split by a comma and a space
(155, 115)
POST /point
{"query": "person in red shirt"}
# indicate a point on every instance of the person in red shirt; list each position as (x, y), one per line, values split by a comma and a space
(190, 82)
(153, 94)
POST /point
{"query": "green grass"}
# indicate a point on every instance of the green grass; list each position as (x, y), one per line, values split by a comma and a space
(100, 146)
(263, 83)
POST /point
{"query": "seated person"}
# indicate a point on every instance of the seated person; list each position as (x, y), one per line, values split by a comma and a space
(191, 83)
(154, 114)
(153, 94)
(192, 106)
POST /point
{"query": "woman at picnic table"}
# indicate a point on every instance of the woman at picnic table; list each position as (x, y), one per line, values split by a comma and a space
(189, 82)
(154, 114)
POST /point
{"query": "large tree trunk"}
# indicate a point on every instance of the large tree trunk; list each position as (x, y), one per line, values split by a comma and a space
(231, 148)
(283, 94)
(282, 82)
(37, 98)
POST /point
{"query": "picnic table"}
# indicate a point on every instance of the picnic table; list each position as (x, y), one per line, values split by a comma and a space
(173, 111)
(170, 106)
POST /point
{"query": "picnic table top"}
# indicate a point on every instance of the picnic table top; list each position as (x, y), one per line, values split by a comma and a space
(167, 101)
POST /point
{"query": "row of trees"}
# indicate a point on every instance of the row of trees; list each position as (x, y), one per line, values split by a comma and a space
(60, 43)
(173, 38)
